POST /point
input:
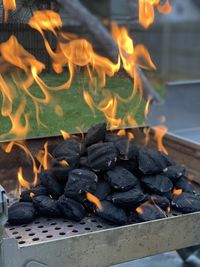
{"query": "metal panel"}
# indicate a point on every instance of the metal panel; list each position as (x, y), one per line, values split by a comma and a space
(111, 246)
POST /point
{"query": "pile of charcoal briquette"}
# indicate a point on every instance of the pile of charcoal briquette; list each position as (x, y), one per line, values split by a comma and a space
(133, 183)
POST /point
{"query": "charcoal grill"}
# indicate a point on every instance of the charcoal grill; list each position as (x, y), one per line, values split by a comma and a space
(92, 242)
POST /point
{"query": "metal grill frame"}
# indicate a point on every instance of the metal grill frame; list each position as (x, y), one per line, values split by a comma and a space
(110, 245)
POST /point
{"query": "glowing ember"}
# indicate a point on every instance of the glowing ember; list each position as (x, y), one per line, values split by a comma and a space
(177, 192)
(160, 132)
(147, 10)
(94, 200)
(139, 210)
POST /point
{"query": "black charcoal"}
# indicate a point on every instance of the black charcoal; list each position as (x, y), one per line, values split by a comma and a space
(55, 189)
(158, 184)
(103, 190)
(174, 172)
(112, 213)
(121, 179)
(71, 209)
(95, 134)
(148, 212)
(131, 165)
(126, 149)
(161, 201)
(26, 195)
(79, 182)
(186, 202)
(128, 199)
(152, 161)
(21, 212)
(60, 174)
(71, 145)
(102, 156)
(113, 137)
(83, 161)
(184, 184)
(46, 206)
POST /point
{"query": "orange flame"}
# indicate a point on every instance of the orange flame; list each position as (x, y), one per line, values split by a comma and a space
(44, 157)
(146, 110)
(160, 132)
(147, 13)
(65, 134)
(9, 148)
(139, 210)
(177, 192)
(22, 182)
(8, 5)
(94, 200)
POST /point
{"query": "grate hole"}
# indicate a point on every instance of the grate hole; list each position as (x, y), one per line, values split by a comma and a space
(24, 225)
(14, 233)
(65, 221)
(22, 242)
(49, 236)
(18, 237)
(35, 239)
(87, 228)
(45, 231)
(75, 231)
(40, 226)
(31, 234)
(49, 219)
(13, 228)
(62, 233)
(82, 222)
(70, 225)
(57, 228)
(37, 222)
(28, 229)
(99, 226)
(93, 220)
(53, 223)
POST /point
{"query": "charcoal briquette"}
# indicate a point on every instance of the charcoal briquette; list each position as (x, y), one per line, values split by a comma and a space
(112, 213)
(162, 201)
(121, 179)
(71, 209)
(152, 161)
(55, 189)
(113, 137)
(46, 206)
(70, 160)
(158, 184)
(186, 202)
(103, 190)
(129, 198)
(102, 156)
(26, 195)
(60, 174)
(79, 182)
(21, 213)
(95, 134)
(127, 149)
(184, 184)
(174, 172)
(148, 212)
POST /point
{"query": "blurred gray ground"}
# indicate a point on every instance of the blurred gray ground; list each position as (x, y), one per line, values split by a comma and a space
(181, 109)
(162, 260)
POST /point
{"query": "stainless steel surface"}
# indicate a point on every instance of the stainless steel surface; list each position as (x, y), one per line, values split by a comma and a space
(104, 245)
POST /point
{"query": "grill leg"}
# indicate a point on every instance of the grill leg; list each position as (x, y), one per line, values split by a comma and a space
(190, 255)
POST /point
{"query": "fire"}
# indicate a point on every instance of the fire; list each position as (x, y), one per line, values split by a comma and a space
(65, 135)
(147, 10)
(139, 210)
(22, 182)
(44, 157)
(177, 192)
(94, 200)
(63, 163)
(146, 110)
(9, 148)
(8, 5)
(160, 132)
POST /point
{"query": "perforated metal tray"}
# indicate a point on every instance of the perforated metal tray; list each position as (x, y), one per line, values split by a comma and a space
(94, 243)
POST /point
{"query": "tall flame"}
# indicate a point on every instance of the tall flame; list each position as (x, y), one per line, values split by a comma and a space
(94, 200)
(160, 132)
(8, 5)
(22, 181)
(147, 10)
